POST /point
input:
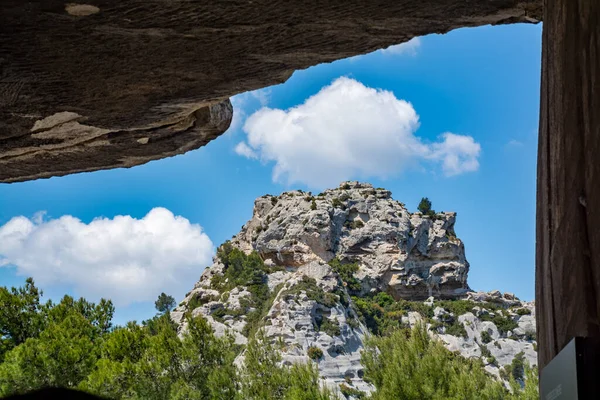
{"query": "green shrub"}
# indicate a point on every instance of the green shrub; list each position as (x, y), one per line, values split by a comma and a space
(247, 271)
(518, 366)
(345, 186)
(273, 200)
(312, 290)
(328, 299)
(457, 307)
(372, 314)
(314, 353)
(346, 274)
(505, 372)
(425, 206)
(255, 318)
(195, 302)
(435, 326)
(330, 327)
(504, 324)
(313, 205)
(381, 313)
(224, 297)
(73, 348)
(456, 329)
(523, 311)
(348, 391)
(356, 224)
(352, 323)
(338, 204)
(219, 313)
(383, 299)
(485, 352)
(486, 337)
(451, 236)
(343, 299)
(263, 377)
(412, 365)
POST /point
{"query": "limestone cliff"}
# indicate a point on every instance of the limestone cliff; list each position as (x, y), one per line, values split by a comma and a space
(309, 270)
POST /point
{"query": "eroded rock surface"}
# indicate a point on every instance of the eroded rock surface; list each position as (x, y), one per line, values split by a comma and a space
(408, 255)
(319, 256)
(137, 74)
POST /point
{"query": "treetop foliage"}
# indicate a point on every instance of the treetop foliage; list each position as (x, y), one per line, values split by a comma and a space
(72, 344)
(164, 303)
(425, 206)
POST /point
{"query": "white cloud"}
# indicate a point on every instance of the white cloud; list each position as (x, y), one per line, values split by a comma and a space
(348, 130)
(409, 48)
(123, 258)
(457, 153)
(244, 150)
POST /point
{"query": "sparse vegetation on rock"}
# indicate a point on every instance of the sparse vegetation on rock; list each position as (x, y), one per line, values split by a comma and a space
(314, 353)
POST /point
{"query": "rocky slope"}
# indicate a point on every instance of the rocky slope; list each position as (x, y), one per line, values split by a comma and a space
(320, 272)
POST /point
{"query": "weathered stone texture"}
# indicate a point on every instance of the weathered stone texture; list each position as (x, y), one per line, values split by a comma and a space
(133, 69)
(408, 255)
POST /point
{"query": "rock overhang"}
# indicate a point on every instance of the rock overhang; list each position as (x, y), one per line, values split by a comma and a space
(144, 81)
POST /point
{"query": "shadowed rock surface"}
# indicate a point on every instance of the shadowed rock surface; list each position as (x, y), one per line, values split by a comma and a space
(120, 83)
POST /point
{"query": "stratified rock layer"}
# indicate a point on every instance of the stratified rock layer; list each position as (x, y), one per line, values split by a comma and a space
(406, 255)
(137, 73)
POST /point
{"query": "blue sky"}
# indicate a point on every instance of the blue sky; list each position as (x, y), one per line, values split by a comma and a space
(479, 83)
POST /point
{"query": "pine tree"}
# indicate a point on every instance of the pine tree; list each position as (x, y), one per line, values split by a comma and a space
(410, 365)
(164, 303)
(20, 317)
(425, 206)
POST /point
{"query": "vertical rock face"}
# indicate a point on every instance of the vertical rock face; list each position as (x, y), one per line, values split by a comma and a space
(297, 268)
(410, 256)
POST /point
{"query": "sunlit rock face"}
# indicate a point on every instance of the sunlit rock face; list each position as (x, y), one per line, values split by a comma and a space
(409, 255)
(299, 236)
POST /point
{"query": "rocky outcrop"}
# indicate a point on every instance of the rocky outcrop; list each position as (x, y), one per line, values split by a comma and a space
(298, 269)
(141, 79)
(406, 254)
